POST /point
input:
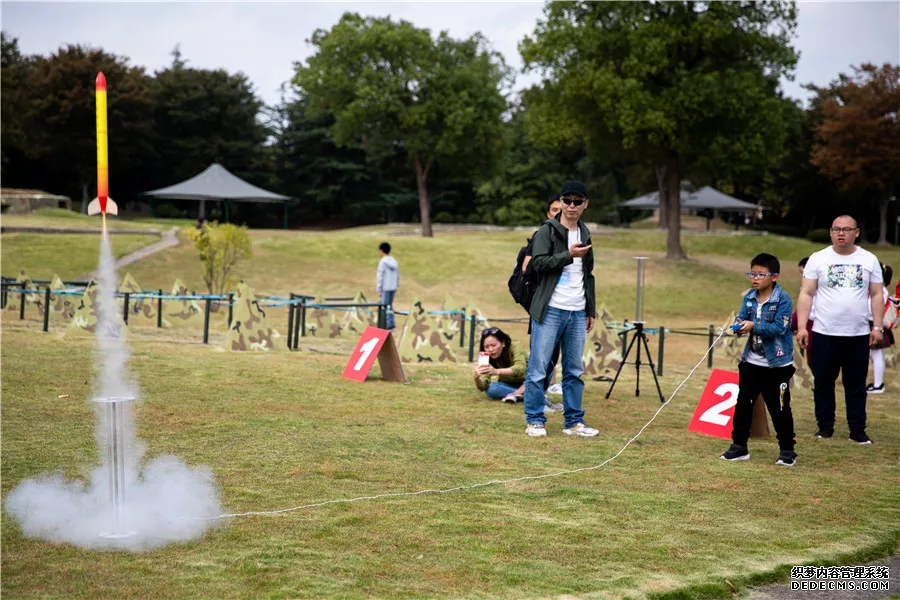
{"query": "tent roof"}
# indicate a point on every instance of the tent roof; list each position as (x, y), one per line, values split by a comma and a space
(217, 183)
(705, 197)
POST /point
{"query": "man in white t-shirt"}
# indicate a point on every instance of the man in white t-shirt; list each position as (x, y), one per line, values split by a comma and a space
(846, 281)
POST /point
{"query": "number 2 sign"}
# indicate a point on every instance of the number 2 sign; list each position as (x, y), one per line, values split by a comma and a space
(716, 407)
(374, 343)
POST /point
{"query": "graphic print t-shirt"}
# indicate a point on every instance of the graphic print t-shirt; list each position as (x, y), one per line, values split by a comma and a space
(842, 295)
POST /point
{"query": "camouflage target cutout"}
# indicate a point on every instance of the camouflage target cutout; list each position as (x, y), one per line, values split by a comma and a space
(602, 349)
(250, 329)
(185, 310)
(421, 341)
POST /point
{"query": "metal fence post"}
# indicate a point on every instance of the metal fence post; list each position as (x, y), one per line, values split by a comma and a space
(125, 307)
(711, 333)
(290, 331)
(462, 328)
(230, 308)
(159, 309)
(303, 318)
(22, 304)
(47, 309)
(472, 339)
(3, 298)
(206, 322)
(661, 353)
(381, 316)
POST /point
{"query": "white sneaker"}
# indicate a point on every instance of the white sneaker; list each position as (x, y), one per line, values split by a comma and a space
(509, 398)
(536, 430)
(582, 430)
(556, 389)
(554, 406)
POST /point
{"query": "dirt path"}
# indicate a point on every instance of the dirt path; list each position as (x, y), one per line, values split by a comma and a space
(169, 240)
(782, 591)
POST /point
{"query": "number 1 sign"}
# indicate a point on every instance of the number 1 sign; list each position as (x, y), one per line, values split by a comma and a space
(375, 342)
(716, 408)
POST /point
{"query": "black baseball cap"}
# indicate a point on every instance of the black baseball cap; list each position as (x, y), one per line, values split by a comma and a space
(574, 187)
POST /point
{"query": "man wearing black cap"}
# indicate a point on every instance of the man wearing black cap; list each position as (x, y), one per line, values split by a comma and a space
(563, 310)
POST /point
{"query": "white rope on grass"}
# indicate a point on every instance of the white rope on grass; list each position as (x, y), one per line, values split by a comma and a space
(484, 483)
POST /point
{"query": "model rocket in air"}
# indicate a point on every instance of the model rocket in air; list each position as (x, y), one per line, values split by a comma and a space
(102, 204)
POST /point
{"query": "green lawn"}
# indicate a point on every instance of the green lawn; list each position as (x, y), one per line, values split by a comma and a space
(69, 255)
(59, 217)
(665, 518)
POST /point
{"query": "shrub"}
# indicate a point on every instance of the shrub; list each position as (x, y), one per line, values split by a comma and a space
(820, 236)
(781, 229)
(221, 248)
(444, 217)
(168, 211)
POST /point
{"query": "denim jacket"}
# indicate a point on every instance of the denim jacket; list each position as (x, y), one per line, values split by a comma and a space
(774, 326)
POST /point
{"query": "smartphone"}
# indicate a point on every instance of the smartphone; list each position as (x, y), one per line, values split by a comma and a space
(484, 358)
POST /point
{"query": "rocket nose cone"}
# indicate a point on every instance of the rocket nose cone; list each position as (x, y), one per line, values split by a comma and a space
(101, 81)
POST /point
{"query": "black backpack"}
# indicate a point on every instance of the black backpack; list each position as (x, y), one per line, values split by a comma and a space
(523, 285)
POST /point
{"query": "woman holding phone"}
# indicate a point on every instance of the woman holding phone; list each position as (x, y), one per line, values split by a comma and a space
(501, 368)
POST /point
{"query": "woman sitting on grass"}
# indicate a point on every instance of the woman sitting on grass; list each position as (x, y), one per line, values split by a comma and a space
(507, 365)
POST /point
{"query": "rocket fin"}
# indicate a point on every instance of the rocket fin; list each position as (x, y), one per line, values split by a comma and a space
(111, 207)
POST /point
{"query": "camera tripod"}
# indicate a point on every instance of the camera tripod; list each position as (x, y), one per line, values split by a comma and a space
(641, 339)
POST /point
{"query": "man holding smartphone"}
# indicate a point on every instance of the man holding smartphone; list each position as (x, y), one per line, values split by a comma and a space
(563, 310)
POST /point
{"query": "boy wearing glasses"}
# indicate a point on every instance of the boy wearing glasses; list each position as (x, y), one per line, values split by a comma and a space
(846, 281)
(562, 311)
(766, 365)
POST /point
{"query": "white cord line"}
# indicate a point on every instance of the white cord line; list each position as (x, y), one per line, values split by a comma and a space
(476, 485)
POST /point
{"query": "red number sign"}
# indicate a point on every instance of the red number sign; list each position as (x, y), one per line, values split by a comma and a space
(371, 345)
(716, 406)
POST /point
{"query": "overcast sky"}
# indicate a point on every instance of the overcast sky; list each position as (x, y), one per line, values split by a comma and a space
(264, 39)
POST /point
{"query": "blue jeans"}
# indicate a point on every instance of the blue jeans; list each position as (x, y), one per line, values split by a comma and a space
(387, 298)
(569, 329)
(497, 390)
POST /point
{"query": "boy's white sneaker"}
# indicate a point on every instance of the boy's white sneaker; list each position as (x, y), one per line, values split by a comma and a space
(581, 429)
(536, 430)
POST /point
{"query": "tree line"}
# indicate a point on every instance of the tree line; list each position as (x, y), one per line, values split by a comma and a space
(388, 122)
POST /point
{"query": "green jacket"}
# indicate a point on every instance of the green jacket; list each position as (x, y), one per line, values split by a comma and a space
(550, 256)
(518, 356)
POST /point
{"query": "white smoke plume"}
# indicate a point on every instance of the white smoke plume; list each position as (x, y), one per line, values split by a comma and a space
(165, 501)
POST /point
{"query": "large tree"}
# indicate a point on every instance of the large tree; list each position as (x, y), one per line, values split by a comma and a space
(670, 81)
(204, 116)
(858, 142)
(391, 86)
(56, 128)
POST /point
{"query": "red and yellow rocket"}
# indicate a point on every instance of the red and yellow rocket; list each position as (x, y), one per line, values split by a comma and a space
(102, 204)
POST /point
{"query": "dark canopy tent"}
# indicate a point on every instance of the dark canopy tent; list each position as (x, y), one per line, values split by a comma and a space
(706, 198)
(217, 183)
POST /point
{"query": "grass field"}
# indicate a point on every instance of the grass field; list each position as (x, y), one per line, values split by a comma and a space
(665, 519)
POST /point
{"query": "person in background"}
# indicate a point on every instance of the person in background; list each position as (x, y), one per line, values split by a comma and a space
(809, 323)
(508, 363)
(387, 280)
(877, 386)
(846, 281)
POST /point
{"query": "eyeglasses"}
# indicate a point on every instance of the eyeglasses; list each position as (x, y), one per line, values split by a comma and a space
(573, 201)
(490, 331)
(760, 275)
(842, 229)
